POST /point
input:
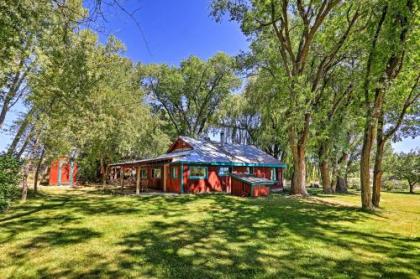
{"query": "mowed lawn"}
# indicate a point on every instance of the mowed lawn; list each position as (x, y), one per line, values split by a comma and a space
(86, 233)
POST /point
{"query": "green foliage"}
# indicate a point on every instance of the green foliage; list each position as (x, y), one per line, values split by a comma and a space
(189, 95)
(9, 179)
(407, 167)
(29, 32)
(88, 100)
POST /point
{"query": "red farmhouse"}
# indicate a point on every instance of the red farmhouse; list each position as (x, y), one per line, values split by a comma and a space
(191, 166)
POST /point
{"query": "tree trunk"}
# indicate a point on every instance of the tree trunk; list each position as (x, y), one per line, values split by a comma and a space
(103, 172)
(372, 115)
(19, 134)
(334, 177)
(299, 174)
(4, 109)
(297, 144)
(38, 168)
(341, 178)
(377, 172)
(24, 145)
(25, 182)
(372, 118)
(366, 196)
(12, 91)
(324, 169)
(325, 177)
(346, 174)
(341, 186)
(412, 186)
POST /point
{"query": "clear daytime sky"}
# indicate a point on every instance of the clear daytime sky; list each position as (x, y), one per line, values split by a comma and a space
(172, 31)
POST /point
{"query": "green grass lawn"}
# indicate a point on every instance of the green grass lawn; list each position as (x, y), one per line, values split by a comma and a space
(86, 233)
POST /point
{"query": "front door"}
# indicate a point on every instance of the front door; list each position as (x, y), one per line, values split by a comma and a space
(157, 173)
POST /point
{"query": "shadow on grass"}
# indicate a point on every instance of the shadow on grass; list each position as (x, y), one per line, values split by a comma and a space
(276, 237)
(240, 234)
(62, 237)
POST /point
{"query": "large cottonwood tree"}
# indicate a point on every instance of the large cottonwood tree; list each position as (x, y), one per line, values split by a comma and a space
(390, 35)
(307, 38)
(190, 94)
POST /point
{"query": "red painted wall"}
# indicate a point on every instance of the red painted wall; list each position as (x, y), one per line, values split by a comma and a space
(260, 191)
(179, 144)
(239, 170)
(279, 185)
(173, 185)
(53, 173)
(152, 182)
(216, 183)
(239, 188)
(213, 183)
(65, 173)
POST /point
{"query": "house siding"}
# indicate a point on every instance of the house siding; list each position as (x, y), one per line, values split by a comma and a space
(65, 172)
(173, 184)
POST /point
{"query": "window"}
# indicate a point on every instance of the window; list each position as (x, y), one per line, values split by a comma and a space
(143, 173)
(224, 171)
(156, 173)
(273, 174)
(249, 170)
(198, 172)
(174, 172)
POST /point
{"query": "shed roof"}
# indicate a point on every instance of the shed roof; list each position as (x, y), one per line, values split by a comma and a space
(253, 180)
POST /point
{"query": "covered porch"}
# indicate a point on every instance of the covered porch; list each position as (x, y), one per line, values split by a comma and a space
(142, 175)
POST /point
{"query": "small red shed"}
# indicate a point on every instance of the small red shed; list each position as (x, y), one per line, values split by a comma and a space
(63, 172)
(251, 186)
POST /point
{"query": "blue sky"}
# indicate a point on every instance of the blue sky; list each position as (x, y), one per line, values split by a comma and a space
(173, 30)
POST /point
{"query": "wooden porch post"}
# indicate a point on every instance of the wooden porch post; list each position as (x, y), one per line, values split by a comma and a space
(182, 177)
(165, 174)
(122, 177)
(138, 180)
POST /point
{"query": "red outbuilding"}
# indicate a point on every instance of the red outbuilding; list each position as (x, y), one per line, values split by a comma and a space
(251, 186)
(62, 172)
(196, 166)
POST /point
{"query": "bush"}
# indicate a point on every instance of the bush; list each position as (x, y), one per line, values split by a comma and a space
(9, 179)
(88, 170)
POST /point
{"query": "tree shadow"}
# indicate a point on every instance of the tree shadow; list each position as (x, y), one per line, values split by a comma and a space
(235, 241)
(214, 236)
(62, 237)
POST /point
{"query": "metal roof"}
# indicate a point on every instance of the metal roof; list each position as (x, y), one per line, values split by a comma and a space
(208, 151)
(205, 151)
